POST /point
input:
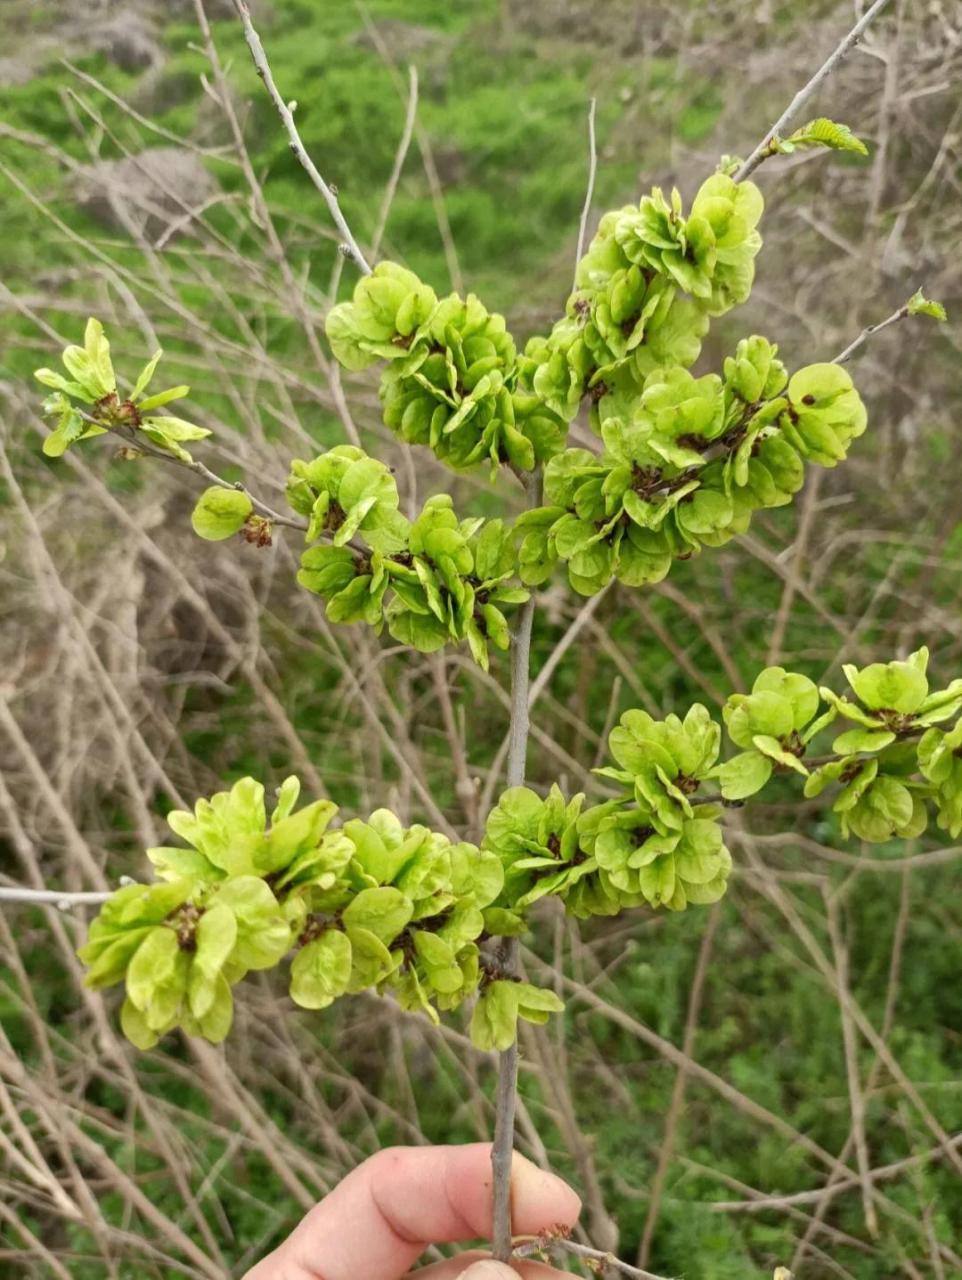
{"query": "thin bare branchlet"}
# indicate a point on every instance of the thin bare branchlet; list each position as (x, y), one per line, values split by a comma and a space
(410, 119)
(350, 246)
(138, 445)
(555, 1243)
(52, 897)
(590, 191)
(869, 332)
(794, 109)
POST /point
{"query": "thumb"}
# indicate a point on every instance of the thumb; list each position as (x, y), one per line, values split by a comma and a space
(489, 1270)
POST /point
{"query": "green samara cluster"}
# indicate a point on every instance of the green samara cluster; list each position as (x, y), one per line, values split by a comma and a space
(688, 469)
(451, 374)
(376, 906)
(433, 581)
(683, 462)
(644, 295)
(370, 905)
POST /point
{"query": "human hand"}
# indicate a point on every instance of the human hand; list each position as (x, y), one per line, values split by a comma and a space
(377, 1222)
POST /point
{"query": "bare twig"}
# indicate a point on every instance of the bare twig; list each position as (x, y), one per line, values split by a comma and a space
(465, 788)
(869, 332)
(399, 158)
(597, 1256)
(789, 115)
(678, 1088)
(592, 170)
(52, 896)
(263, 69)
(502, 1149)
(200, 469)
(850, 1047)
(427, 155)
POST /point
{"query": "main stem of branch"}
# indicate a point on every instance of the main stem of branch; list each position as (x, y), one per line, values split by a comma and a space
(503, 1147)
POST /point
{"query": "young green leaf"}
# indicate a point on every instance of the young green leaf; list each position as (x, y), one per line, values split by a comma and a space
(920, 305)
(220, 513)
(824, 133)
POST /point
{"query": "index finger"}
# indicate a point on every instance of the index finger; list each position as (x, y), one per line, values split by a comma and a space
(382, 1217)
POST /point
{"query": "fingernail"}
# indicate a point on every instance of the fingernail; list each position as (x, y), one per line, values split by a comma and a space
(489, 1270)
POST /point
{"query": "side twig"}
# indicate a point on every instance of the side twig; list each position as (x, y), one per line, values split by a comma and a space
(585, 1252)
(400, 156)
(263, 69)
(869, 332)
(53, 897)
(137, 442)
(790, 114)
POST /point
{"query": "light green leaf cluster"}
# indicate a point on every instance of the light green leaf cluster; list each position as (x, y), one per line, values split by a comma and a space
(345, 492)
(376, 905)
(877, 762)
(710, 254)
(370, 905)
(885, 770)
(537, 842)
(451, 376)
(222, 907)
(644, 294)
(654, 846)
(689, 467)
(884, 776)
(92, 383)
(647, 862)
(381, 322)
(404, 917)
(647, 847)
(181, 946)
(434, 581)
(774, 723)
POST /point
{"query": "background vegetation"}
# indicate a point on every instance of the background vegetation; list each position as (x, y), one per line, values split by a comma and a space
(707, 1091)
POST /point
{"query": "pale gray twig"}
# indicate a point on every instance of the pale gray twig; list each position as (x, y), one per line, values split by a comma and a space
(52, 896)
(502, 1149)
(869, 332)
(199, 468)
(791, 112)
(606, 1260)
(592, 170)
(399, 158)
(262, 67)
